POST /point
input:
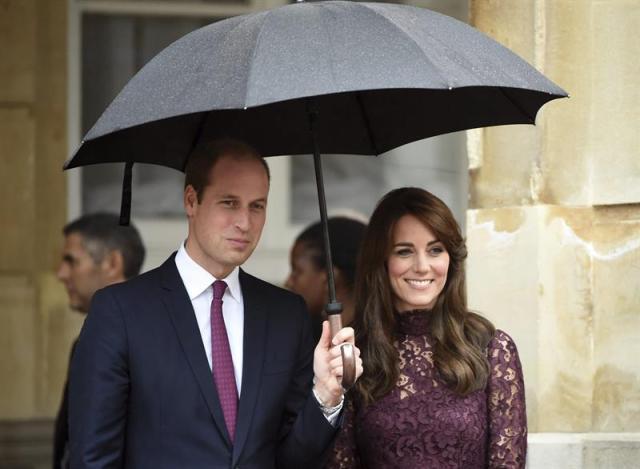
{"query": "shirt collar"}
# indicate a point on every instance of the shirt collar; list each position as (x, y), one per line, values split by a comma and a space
(197, 279)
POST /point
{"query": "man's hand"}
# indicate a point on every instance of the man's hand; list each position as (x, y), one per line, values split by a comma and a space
(327, 364)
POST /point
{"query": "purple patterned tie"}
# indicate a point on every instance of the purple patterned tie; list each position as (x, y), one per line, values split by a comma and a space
(221, 361)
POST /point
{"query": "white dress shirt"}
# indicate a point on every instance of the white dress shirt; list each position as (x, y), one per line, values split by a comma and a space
(198, 283)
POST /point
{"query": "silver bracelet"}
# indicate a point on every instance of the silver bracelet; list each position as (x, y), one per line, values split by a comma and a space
(323, 407)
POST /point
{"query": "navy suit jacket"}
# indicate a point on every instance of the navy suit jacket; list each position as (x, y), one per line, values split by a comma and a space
(142, 393)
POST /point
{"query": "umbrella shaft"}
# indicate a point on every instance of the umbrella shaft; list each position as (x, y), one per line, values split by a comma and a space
(333, 307)
(325, 226)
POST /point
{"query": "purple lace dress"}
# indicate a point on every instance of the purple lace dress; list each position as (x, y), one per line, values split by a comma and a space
(424, 424)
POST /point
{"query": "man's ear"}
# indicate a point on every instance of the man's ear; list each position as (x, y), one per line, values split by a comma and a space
(113, 265)
(190, 200)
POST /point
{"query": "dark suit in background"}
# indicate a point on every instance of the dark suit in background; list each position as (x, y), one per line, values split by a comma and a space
(61, 426)
(97, 252)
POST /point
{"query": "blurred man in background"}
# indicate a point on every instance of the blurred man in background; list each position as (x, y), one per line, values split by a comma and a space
(97, 252)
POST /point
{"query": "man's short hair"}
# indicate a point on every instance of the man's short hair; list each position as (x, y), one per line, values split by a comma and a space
(102, 233)
(205, 156)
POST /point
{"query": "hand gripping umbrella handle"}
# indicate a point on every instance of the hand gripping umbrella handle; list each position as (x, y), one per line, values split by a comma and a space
(348, 357)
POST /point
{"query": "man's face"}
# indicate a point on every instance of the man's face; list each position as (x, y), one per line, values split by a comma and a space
(224, 228)
(81, 276)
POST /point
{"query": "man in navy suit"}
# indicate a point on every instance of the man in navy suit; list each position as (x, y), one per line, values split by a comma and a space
(164, 376)
(97, 252)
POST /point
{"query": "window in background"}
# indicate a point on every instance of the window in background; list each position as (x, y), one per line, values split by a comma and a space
(114, 48)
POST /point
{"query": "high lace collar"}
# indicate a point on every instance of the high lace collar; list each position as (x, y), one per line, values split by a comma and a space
(413, 322)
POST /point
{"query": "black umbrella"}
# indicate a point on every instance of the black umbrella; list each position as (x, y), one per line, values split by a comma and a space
(334, 76)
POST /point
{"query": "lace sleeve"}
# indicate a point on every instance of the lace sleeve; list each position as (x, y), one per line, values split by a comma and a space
(506, 405)
(344, 454)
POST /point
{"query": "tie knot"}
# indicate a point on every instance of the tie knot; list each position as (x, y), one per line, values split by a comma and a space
(219, 286)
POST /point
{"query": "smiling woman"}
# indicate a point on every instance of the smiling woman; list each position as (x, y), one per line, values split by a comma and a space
(441, 386)
(417, 265)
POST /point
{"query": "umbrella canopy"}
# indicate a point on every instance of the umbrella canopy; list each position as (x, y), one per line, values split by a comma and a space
(387, 74)
(333, 76)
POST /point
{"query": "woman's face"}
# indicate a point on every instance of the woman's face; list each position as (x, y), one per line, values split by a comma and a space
(306, 279)
(417, 265)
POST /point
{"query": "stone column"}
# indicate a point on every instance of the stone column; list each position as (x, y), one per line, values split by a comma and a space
(554, 221)
(35, 327)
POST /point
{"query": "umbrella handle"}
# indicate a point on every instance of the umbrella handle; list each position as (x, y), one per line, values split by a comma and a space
(348, 357)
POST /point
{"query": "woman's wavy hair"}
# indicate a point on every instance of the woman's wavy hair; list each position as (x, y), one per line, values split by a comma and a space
(460, 337)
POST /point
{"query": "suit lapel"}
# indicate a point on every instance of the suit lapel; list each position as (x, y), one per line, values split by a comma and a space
(184, 321)
(255, 328)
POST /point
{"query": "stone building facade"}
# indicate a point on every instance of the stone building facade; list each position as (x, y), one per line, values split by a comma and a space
(553, 226)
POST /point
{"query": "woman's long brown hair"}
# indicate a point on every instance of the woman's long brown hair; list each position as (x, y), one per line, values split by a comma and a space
(460, 336)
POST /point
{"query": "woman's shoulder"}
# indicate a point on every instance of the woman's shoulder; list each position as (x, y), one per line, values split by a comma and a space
(501, 337)
(502, 347)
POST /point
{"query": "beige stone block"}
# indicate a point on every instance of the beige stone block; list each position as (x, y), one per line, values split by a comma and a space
(551, 450)
(616, 300)
(565, 354)
(502, 283)
(510, 23)
(611, 451)
(17, 198)
(613, 136)
(18, 51)
(50, 141)
(531, 280)
(583, 450)
(17, 336)
(584, 150)
(568, 61)
(591, 150)
(509, 172)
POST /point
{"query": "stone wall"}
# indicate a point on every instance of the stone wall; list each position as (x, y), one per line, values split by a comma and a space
(35, 326)
(554, 223)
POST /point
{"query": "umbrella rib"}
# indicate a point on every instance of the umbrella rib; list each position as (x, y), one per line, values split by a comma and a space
(517, 105)
(407, 33)
(436, 39)
(253, 56)
(330, 41)
(195, 140)
(367, 123)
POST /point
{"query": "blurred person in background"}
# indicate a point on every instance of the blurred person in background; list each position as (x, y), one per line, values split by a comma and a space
(308, 276)
(97, 252)
(441, 387)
